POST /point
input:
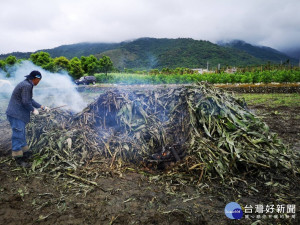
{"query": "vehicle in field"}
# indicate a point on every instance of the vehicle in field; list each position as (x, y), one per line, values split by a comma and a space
(86, 80)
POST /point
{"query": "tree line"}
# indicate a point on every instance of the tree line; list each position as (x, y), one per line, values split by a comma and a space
(90, 65)
(75, 67)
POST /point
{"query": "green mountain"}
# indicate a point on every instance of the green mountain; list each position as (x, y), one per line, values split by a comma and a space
(261, 52)
(149, 53)
(146, 53)
(19, 55)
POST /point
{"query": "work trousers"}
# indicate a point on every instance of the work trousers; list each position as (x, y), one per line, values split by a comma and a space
(18, 138)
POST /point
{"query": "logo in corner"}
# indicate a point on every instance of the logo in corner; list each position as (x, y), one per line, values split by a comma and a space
(233, 211)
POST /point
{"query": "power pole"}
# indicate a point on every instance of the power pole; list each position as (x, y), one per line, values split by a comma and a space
(207, 65)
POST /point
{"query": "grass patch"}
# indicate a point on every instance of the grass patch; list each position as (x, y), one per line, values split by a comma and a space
(272, 100)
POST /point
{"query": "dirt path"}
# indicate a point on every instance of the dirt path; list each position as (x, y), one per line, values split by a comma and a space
(133, 196)
(283, 120)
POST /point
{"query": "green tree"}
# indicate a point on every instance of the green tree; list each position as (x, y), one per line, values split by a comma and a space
(89, 64)
(75, 68)
(92, 68)
(106, 64)
(83, 61)
(2, 64)
(11, 60)
(179, 70)
(41, 59)
(166, 71)
(50, 66)
(154, 72)
(61, 63)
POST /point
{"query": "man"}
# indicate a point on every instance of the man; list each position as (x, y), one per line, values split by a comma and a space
(20, 106)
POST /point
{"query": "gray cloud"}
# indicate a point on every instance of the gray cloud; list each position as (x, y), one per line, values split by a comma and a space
(33, 24)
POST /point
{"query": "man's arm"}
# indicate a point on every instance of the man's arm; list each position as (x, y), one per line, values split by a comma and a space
(35, 104)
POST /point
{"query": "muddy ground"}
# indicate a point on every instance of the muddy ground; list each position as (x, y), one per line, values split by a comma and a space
(135, 195)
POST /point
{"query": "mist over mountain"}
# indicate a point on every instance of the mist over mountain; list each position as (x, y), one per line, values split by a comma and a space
(261, 52)
(293, 52)
(70, 51)
(150, 53)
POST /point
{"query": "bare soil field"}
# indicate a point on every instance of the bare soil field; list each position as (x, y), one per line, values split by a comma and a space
(132, 195)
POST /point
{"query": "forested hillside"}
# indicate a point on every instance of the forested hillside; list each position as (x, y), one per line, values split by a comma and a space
(152, 53)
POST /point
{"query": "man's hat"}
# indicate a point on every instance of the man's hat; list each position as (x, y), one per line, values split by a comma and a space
(34, 74)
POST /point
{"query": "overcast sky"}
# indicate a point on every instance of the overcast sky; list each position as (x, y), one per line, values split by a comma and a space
(30, 25)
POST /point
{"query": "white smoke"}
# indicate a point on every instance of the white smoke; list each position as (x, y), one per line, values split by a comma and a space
(54, 90)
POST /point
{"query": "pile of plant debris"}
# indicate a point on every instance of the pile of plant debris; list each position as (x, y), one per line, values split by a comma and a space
(206, 130)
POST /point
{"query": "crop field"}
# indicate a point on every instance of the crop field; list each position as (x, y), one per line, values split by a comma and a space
(165, 154)
(278, 76)
(273, 100)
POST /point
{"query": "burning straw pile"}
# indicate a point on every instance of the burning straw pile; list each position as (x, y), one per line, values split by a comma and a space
(207, 130)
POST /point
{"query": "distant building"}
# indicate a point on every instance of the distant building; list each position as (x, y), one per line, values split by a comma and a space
(230, 70)
(199, 70)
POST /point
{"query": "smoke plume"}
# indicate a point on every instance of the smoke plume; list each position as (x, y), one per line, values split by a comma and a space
(54, 90)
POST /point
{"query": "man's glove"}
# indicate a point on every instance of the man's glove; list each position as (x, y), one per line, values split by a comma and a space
(45, 108)
(35, 112)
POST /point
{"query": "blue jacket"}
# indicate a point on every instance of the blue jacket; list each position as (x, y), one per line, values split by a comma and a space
(21, 102)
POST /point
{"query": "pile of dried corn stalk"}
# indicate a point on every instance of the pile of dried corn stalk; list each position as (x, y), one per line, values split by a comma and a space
(208, 129)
